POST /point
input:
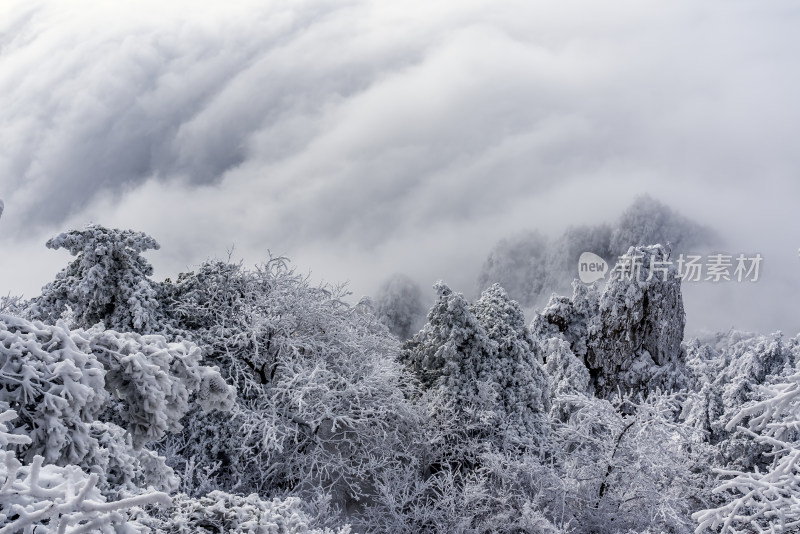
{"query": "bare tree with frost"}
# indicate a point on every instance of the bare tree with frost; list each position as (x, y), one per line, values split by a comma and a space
(323, 405)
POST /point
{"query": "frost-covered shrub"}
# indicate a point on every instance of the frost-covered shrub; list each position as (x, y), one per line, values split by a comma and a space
(225, 309)
(107, 282)
(154, 379)
(323, 404)
(123, 468)
(514, 370)
(728, 372)
(459, 482)
(633, 467)
(220, 512)
(12, 305)
(52, 499)
(56, 388)
(763, 499)
(505, 495)
(61, 384)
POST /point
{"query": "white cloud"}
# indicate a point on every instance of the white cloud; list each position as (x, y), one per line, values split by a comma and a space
(363, 138)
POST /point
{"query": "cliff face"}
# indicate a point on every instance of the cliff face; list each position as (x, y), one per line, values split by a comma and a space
(629, 333)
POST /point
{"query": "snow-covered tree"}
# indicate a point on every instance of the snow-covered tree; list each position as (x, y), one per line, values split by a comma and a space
(107, 282)
(727, 374)
(220, 512)
(567, 374)
(763, 499)
(452, 349)
(630, 468)
(56, 388)
(398, 304)
(323, 403)
(50, 499)
(63, 385)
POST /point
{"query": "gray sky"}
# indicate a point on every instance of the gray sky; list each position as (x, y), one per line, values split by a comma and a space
(362, 138)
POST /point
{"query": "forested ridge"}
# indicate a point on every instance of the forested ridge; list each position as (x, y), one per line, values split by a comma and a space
(250, 400)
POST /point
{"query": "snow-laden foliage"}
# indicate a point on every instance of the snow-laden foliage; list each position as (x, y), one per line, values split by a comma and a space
(461, 482)
(727, 374)
(568, 318)
(568, 376)
(483, 357)
(514, 370)
(50, 499)
(506, 494)
(451, 348)
(323, 404)
(56, 388)
(220, 512)
(107, 282)
(398, 303)
(763, 499)
(630, 467)
(12, 305)
(69, 388)
(154, 379)
(595, 419)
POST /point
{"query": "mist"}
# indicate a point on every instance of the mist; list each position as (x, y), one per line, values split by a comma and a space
(362, 138)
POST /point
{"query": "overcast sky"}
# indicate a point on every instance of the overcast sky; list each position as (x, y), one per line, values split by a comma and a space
(362, 138)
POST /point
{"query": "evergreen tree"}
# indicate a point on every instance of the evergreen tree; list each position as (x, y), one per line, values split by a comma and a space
(107, 282)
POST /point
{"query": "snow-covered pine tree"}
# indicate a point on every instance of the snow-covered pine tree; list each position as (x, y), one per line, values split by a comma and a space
(763, 499)
(514, 370)
(451, 350)
(39, 498)
(107, 282)
(71, 390)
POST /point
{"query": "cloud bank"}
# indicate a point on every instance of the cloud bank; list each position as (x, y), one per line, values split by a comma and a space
(362, 138)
